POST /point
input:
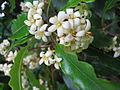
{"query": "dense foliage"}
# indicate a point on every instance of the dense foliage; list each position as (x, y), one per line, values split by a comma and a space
(60, 45)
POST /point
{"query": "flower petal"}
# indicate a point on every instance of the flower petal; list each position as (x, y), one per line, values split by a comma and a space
(43, 27)
(53, 20)
(69, 11)
(28, 4)
(52, 28)
(41, 61)
(66, 25)
(61, 16)
(56, 65)
(77, 14)
(28, 23)
(44, 38)
(47, 33)
(80, 33)
(88, 26)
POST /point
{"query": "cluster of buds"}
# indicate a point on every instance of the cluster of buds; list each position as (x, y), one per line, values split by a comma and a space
(31, 61)
(35, 21)
(49, 58)
(72, 29)
(3, 47)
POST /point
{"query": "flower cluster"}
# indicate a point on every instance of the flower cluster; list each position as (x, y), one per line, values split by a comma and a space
(31, 61)
(72, 29)
(3, 47)
(49, 58)
(35, 21)
(5, 68)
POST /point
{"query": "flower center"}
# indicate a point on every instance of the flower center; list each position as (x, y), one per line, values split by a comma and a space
(59, 24)
(41, 34)
(32, 20)
(45, 58)
(73, 32)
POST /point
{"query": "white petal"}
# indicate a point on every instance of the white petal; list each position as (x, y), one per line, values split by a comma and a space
(88, 26)
(38, 22)
(33, 27)
(41, 61)
(40, 4)
(85, 13)
(44, 38)
(66, 25)
(77, 14)
(60, 31)
(37, 16)
(39, 11)
(68, 38)
(47, 33)
(48, 53)
(61, 16)
(28, 23)
(42, 54)
(28, 4)
(80, 33)
(76, 21)
(35, 3)
(31, 12)
(37, 36)
(53, 20)
(69, 11)
(46, 62)
(43, 27)
(52, 28)
(116, 54)
(56, 65)
(71, 23)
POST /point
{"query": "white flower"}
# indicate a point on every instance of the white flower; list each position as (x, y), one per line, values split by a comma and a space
(117, 51)
(58, 23)
(6, 42)
(71, 14)
(57, 62)
(7, 68)
(35, 88)
(11, 56)
(46, 57)
(41, 33)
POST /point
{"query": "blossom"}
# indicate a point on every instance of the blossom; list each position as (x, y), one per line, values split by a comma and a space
(57, 62)
(7, 68)
(41, 33)
(58, 23)
(46, 57)
(11, 56)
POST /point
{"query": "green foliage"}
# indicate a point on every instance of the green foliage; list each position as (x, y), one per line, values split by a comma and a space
(33, 80)
(15, 73)
(72, 3)
(104, 63)
(101, 40)
(19, 29)
(81, 73)
(108, 5)
(13, 5)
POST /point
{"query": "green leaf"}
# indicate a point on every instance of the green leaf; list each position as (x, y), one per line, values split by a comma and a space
(104, 63)
(33, 80)
(15, 73)
(101, 40)
(12, 2)
(72, 3)
(21, 41)
(81, 73)
(19, 29)
(28, 1)
(108, 5)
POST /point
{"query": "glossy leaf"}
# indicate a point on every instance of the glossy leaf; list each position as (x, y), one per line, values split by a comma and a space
(33, 80)
(19, 29)
(72, 3)
(81, 73)
(15, 73)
